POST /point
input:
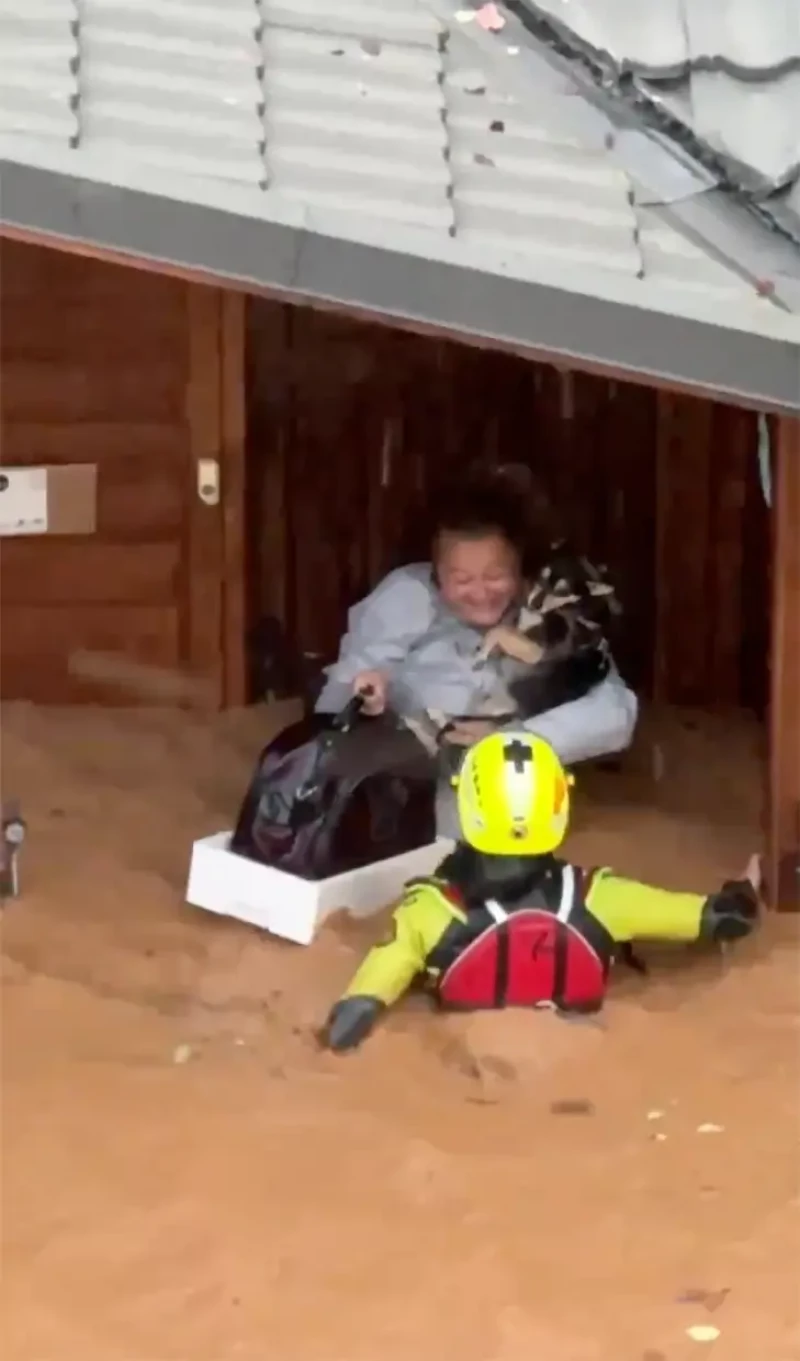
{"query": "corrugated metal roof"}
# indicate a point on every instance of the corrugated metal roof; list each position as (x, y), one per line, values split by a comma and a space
(727, 70)
(370, 114)
(523, 181)
(357, 121)
(39, 86)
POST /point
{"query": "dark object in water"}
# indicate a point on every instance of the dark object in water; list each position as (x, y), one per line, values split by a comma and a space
(13, 835)
(330, 796)
(572, 1106)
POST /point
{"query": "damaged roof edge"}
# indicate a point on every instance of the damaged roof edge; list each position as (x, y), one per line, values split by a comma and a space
(600, 76)
(738, 233)
(568, 328)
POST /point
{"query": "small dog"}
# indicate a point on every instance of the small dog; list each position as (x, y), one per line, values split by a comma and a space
(561, 636)
(570, 604)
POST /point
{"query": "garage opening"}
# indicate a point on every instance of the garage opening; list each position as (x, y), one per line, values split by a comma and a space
(353, 426)
(330, 434)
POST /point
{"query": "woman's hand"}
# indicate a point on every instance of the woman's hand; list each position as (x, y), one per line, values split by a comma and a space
(466, 731)
(754, 874)
(373, 686)
(511, 641)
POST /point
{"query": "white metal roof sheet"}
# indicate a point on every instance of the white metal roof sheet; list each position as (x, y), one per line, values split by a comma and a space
(374, 115)
(730, 69)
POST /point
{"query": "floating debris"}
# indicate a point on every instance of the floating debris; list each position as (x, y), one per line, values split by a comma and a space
(710, 1129)
(590, 1019)
(703, 1332)
(489, 18)
(655, 1115)
(572, 1106)
(499, 1068)
(371, 47)
(182, 1053)
(711, 1299)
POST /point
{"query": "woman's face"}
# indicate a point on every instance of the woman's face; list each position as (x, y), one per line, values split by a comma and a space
(478, 578)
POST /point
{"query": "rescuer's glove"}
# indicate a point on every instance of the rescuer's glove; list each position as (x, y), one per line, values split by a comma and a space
(350, 1022)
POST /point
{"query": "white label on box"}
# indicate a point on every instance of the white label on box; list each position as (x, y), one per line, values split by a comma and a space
(23, 501)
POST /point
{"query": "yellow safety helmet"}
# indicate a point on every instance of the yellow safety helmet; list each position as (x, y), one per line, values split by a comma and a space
(513, 796)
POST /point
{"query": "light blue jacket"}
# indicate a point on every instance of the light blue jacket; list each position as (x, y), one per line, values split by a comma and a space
(403, 628)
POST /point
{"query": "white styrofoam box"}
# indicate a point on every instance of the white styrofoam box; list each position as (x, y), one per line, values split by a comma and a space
(221, 881)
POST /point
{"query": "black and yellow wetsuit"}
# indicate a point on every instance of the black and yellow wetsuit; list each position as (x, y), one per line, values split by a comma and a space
(438, 918)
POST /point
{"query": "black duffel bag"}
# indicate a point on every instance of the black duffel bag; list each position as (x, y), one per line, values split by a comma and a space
(333, 794)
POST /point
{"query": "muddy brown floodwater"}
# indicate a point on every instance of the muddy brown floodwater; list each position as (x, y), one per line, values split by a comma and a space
(187, 1178)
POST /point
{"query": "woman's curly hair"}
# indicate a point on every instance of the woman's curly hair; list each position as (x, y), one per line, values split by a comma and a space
(506, 500)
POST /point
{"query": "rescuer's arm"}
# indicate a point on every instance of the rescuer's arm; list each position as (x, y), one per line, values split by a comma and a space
(635, 911)
(418, 922)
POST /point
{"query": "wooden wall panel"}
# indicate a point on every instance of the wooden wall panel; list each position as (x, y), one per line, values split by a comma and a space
(235, 554)
(95, 364)
(712, 594)
(202, 638)
(40, 641)
(91, 572)
(683, 491)
(31, 442)
(733, 454)
(55, 391)
(623, 533)
(784, 788)
(352, 426)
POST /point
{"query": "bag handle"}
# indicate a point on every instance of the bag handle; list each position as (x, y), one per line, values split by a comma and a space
(344, 720)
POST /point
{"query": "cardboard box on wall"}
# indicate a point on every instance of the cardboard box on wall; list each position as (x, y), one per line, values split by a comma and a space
(72, 499)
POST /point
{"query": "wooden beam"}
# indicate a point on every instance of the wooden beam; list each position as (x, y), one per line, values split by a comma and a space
(784, 772)
(235, 574)
(202, 604)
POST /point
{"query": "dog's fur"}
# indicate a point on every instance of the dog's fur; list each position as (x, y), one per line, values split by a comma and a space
(561, 635)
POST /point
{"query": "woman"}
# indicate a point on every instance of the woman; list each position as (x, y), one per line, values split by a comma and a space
(413, 643)
(420, 646)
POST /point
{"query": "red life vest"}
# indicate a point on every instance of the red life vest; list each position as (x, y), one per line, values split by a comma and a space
(533, 956)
